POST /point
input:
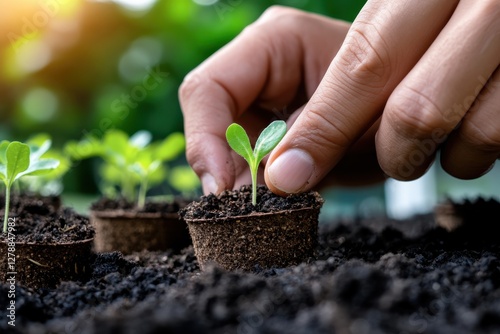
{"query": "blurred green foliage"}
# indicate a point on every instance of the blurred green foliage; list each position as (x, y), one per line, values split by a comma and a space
(73, 67)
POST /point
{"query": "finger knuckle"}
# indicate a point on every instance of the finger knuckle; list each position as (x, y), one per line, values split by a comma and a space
(282, 19)
(194, 151)
(415, 114)
(485, 136)
(323, 131)
(364, 57)
(189, 85)
(278, 12)
(489, 9)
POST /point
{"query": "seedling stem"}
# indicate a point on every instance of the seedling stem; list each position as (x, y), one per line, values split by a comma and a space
(267, 141)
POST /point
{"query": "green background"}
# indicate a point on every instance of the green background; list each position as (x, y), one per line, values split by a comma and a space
(67, 66)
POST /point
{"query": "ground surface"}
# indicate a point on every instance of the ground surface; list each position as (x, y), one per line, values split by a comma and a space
(371, 276)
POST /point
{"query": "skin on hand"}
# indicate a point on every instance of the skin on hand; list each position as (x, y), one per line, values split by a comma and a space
(410, 77)
(257, 78)
(408, 64)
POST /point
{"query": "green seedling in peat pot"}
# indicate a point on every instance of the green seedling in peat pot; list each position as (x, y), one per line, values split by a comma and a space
(17, 160)
(132, 164)
(268, 139)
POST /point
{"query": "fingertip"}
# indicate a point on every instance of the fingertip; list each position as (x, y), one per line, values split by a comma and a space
(290, 172)
(209, 184)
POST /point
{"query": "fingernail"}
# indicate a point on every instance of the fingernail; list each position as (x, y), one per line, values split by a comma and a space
(290, 172)
(209, 184)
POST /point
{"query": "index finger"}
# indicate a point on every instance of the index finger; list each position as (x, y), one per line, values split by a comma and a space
(257, 67)
(384, 43)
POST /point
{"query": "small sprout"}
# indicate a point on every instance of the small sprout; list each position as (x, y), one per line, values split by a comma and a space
(49, 183)
(133, 164)
(17, 160)
(267, 141)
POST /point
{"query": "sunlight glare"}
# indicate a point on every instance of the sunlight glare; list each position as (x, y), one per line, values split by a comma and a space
(136, 5)
(205, 2)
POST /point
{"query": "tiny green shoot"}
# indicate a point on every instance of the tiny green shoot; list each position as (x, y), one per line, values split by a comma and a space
(133, 164)
(17, 160)
(51, 182)
(238, 139)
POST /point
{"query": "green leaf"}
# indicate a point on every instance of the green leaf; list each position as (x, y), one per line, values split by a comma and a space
(84, 149)
(111, 174)
(171, 147)
(38, 139)
(36, 151)
(3, 151)
(116, 141)
(62, 168)
(18, 160)
(40, 167)
(138, 169)
(157, 175)
(269, 138)
(184, 179)
(238, 139)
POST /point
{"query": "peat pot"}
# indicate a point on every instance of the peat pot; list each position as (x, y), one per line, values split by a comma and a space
(37, 265)
(42, 250)
(285, 235)
(128, 232)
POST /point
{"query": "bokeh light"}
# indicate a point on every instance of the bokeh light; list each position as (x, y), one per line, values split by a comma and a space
(40, 104)
(205, 2)
(136, 5)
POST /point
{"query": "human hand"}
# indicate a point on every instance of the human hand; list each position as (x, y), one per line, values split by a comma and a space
(427, 71)
(388, 60)
(268, 71)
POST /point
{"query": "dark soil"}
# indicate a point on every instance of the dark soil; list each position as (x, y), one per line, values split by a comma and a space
(167, 207)
(232, 203)
(371, 276)
(39, 219)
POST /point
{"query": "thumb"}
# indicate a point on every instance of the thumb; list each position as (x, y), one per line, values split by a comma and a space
(330, 123)
(373, 59)
(314, 144)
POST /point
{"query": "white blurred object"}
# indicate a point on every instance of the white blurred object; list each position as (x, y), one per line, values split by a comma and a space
(405, 199)
(133, 5)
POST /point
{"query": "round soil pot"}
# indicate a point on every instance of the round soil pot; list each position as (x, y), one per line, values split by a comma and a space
(128, 232)
(45, 265)
(228, 230)
(41, 250)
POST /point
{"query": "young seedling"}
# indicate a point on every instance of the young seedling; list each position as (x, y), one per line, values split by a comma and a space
(17, 160)
(50, 183)
(268, 139)
(132, 164)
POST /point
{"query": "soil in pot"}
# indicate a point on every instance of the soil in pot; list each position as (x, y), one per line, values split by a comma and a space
(45, 246)
(121, 226)
(277, 232)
